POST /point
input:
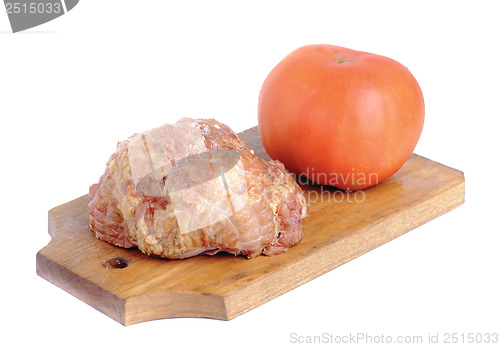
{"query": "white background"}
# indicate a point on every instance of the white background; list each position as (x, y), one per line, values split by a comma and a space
(72, 88)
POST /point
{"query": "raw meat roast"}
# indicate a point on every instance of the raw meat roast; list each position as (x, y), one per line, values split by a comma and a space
(195, 188)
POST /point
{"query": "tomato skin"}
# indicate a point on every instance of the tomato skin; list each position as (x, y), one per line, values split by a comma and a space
(341, 117)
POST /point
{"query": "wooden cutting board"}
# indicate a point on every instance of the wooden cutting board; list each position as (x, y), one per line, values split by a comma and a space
(131, 287)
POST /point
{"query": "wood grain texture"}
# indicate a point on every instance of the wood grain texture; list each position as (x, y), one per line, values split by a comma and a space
(340, 227)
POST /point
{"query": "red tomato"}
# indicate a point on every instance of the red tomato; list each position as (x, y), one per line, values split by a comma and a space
(341, 117)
